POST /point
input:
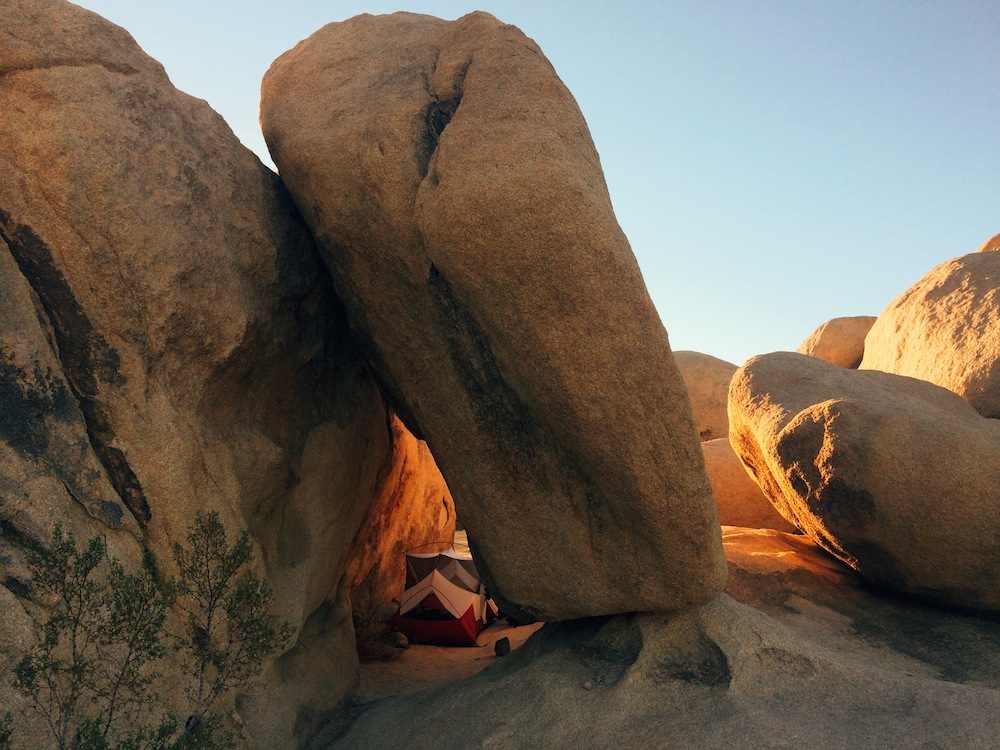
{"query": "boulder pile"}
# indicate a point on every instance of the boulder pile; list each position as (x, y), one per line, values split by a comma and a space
(437, 279)
(895, 476)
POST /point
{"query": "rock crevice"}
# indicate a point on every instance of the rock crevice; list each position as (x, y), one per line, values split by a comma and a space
(86, 357)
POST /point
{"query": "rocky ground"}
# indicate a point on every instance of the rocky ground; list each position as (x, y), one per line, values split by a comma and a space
(798, 653)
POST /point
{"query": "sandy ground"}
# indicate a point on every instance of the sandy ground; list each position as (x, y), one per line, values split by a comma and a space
(421, 667)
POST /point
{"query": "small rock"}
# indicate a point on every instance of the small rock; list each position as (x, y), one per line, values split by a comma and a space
(502, 647)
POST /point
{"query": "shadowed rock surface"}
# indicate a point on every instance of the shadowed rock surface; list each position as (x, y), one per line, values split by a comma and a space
(169, 344)
(454, 190)
(946, 329)
(893, 475)
(799, 654)
(707, 380)
(840, 341)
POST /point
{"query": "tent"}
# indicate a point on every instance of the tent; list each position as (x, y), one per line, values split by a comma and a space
(444, 601)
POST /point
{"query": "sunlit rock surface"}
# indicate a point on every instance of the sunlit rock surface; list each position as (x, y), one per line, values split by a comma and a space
(413, 507)
(993, 243)
(798, 655)
(453, 187)
(946, 329)
(840, 341)
(739, 500)
(893, 475)
(169, 344)
(707, 380)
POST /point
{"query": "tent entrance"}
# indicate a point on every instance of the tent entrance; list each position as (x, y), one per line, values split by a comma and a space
(444, 601)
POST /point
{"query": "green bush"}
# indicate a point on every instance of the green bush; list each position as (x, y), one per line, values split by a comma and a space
(90, 678)
(229, 628)
(6, 729)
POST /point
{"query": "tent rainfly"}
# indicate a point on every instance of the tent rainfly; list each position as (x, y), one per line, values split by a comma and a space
(444, 601)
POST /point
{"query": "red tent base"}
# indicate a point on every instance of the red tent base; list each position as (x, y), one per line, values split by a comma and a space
(442, 632)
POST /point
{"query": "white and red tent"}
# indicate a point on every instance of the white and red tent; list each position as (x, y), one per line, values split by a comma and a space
(444, 601)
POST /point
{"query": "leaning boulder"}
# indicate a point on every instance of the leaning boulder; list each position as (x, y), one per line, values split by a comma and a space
(946, 329)
(739, 500)
(895, 476)
(840, 341)
(707, 380)
(455, 192)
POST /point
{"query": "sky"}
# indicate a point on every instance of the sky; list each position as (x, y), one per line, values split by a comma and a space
(774, 164)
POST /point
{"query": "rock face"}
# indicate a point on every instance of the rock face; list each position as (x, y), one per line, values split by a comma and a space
(946, 329)
(800, 656)
(170, 343)
(895, 476)
(450, 180)
(738, 499)
(412, 507)
(707, 380)
(840, 341)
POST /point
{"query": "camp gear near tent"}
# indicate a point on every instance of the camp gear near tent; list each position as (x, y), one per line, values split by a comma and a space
(444, 601)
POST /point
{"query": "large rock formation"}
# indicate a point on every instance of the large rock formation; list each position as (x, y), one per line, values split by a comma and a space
(840, 341)
(170, 343)
(946, 329)
(412, 507)
(800, 656)
(450, 180)
(739, 500)
(895, 476)
(707, 380)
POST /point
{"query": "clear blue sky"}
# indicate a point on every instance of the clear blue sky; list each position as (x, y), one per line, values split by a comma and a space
(774, 163)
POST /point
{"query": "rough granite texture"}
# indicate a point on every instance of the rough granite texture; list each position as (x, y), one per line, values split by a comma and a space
(170, 343)
(840, 341)
(799, 654)
(707, 380)
(452, 185)
(895, 476)
(946, 329)
(739, 500)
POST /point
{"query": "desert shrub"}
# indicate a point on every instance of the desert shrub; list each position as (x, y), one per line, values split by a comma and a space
(90, 678)
(229, 627)
(6, 729)
(87, 678)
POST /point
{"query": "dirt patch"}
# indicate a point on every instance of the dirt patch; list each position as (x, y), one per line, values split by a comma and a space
(423, 667)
